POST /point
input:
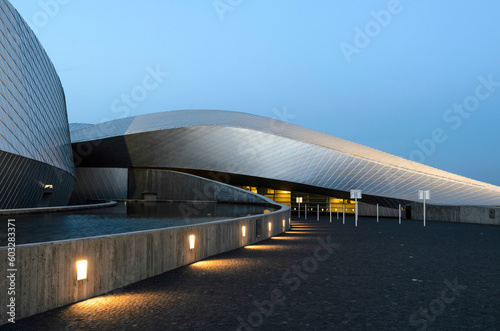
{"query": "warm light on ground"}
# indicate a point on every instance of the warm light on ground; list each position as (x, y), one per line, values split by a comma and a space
(261, 247)
(285, 238)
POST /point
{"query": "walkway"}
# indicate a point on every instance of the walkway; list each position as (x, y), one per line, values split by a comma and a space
(318, 276)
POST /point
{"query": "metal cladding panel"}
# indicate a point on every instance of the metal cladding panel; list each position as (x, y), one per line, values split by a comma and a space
(32, 101)
(22, 183)
(33, 119)
(99, 184)
(259, 147)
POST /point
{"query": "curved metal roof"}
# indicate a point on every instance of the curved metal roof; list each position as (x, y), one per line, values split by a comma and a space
(256, 146)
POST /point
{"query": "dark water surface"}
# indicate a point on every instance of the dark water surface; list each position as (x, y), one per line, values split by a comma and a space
(126, 217)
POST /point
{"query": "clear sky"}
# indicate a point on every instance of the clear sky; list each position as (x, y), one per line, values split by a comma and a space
(417, 79)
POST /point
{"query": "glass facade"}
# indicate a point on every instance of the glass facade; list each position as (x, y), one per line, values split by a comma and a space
(35, 150)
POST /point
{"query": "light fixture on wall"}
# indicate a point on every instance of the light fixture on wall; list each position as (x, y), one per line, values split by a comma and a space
(81, 270)
(244, 231)
(191, 241)
(270, 224)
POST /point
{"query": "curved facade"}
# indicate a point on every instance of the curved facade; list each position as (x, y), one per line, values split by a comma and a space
(36, 166)
(246, 149)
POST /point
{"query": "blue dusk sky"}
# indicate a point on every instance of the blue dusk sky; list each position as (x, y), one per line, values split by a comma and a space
(417, 79)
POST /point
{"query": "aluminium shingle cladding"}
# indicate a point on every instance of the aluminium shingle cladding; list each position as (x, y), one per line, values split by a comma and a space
(35, 148)
(34, 122)
(257, 146)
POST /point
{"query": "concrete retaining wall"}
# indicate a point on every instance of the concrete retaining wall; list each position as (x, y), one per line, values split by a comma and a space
(24, 211)
(173, 185)
(46, 273)
(371, 210)
(460, 214)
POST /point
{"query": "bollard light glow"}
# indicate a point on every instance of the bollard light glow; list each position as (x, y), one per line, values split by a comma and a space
(81, 269)
(191, 241)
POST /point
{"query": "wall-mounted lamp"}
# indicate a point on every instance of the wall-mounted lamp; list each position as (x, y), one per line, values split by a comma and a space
(244, 231)
(81, 269)
(269, 225)
(191, 241)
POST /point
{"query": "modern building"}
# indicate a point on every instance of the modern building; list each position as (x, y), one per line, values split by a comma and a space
(36, 166)
(135, 157)
(264, 155)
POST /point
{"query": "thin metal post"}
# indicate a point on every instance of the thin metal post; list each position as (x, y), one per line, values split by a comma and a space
(317, 216)
(299, 209)
(337, 211)
(399, 213)
(330, 213)
(356, 210)
(343, 213)
(424, 209)
(377, 212)
(305, 211)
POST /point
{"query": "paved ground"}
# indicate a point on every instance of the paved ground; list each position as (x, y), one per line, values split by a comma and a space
(318, 276)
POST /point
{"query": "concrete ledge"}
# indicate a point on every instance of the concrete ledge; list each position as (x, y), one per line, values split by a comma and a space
(7, 212)
(458, 214)
(46, 276)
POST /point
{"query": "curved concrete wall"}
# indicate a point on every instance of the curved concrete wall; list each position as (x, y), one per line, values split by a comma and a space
(140, 183)
(47, 272)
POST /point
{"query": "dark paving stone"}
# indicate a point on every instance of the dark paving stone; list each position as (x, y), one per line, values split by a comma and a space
(379, 276)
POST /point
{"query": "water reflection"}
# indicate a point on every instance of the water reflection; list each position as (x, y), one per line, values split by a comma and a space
(126, 217)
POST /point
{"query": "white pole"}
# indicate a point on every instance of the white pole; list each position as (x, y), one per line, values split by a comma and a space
(305, 210)
(356, 210)
(299, 209)
(330, 213)
(399, 213)
(337, 211)
(377, 212)
(317, 216)
(343, 213)
(424, 208)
